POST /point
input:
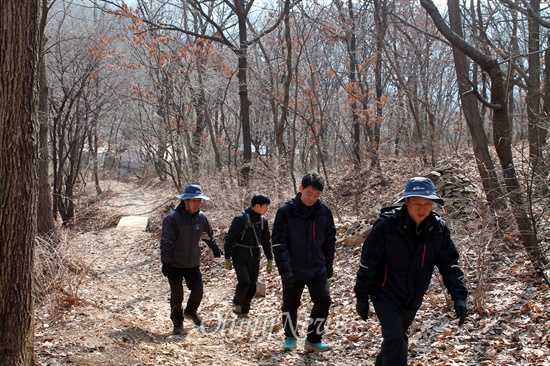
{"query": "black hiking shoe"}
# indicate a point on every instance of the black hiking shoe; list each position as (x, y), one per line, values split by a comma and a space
(194, 318)
(178, 329)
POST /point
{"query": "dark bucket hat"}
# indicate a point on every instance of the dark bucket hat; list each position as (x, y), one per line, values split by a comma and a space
(420, 187)
(192, 191)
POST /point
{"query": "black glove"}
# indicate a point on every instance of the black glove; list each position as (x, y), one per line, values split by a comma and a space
(461, 310)
(166, 269)
(288, 279)
(362, 308)
(217, 252)
(330, 270)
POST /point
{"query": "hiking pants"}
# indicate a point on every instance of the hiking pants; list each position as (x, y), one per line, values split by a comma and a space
(193, 281)
(395, 321)
(319, 291)
(246, 261)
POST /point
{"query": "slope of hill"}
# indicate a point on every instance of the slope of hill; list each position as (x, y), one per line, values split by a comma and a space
(115, 310)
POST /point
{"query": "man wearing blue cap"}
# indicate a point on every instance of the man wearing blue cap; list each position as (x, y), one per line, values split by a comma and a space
(397, 262)
(180, 253)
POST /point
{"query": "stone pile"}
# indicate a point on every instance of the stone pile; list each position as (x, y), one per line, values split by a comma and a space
(457, 190)
(461, 196)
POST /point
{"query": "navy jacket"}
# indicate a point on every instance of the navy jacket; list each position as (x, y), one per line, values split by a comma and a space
(398, 263)
(303, 239)
(181, 235)
(258, 229)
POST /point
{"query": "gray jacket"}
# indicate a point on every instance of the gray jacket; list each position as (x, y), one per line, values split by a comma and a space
(181, 234)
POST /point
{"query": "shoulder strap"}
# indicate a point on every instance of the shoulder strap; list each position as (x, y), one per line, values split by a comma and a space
(246, 226)
(249, 224)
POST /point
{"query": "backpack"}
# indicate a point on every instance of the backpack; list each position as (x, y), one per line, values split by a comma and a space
(248, 225)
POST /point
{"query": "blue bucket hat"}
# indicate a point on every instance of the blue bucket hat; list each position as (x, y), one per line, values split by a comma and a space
(192, 191)
(420, 187)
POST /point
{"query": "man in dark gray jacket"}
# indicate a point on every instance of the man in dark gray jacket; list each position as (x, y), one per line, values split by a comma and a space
(182, 230)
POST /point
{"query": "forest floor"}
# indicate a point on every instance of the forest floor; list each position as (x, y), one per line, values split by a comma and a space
(116, 311)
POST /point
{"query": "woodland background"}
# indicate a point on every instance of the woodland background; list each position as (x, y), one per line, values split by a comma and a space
(233, 94)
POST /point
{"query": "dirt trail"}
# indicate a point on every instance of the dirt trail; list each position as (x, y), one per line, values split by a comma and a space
(122, 317)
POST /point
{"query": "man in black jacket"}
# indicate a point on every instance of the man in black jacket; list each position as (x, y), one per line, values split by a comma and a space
(182, 230)
(304, 238)
(248, 231)
(397, 262)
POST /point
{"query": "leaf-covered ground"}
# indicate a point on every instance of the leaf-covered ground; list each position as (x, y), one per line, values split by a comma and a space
(120, 314)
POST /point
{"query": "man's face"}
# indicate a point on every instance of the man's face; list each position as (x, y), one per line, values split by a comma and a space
(193, 205)
(261, 209)
(310, 195)
(419, 208)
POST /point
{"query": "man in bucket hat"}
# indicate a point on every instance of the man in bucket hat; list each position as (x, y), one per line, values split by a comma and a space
(182, 230)
(397, 262)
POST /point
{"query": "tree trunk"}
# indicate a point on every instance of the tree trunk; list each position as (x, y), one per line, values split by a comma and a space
(470, 108)
(19, 141)
(381, 16)
(283, 122)
(536, 127)
(45, 218)
(502, 134)
(242, 76)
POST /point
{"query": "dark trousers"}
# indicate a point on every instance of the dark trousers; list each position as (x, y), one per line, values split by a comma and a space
(246, 262)
(320, 296)
(193, 280)
(395, 321)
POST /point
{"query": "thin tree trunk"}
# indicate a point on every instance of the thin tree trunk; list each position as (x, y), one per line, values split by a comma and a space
(470, 108)
(45, 218)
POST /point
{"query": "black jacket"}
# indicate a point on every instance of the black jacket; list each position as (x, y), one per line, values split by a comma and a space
(303, 239)
(398, 263)
(257, 228)
(181, 234)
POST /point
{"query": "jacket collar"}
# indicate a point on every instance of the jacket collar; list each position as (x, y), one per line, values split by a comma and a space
(302, 210)
(182, 211)
(254, 216)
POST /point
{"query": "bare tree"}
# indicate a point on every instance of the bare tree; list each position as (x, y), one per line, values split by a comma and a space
(18, 183)
(221, 19)
(502, 134)
(470, 107)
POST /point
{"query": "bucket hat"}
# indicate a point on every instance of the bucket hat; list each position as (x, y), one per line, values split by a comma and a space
(192, 191)
(420, 187)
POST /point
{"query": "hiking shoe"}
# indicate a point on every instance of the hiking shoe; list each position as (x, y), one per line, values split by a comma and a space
(320, 346)
(239, 314)
(178, 329)
(290, 344)
(238, 311)
(194, 318)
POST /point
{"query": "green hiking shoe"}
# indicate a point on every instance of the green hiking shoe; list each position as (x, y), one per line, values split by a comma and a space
(290, 344)
(316, 347)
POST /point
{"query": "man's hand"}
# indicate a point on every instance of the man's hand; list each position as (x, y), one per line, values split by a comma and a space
(330, 270)
(217, 252)
(362, 308)
(288, 279)
(269, 266)
(461, 310)
(166, 269)
(228, 264)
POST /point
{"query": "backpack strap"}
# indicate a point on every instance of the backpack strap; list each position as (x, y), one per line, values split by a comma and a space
(248, 225)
